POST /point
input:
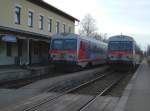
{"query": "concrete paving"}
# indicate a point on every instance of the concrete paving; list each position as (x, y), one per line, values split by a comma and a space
(16, 96)
(105, 103)
(30, 102)
(13, 74)
(137, 94)
(10, 73)
(68, 102)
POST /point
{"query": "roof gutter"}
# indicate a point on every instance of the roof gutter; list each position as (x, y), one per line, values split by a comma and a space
(47, 6)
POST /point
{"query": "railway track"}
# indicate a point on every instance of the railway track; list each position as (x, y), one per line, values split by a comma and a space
(101, 93)
(68, 88)
(44, 101)
(34, 106)
(98, 85)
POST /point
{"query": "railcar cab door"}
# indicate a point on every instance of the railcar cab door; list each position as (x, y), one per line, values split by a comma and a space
(134, 49)
(82, 50)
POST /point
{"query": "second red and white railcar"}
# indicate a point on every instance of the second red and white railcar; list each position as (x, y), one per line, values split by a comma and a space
(123, 50)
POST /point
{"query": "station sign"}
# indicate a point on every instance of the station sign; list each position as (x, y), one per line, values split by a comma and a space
(9, 38)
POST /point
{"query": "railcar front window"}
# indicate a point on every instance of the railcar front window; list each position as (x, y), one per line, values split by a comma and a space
(70, 45)
(65, 44)
(117, 46)
(57, 44)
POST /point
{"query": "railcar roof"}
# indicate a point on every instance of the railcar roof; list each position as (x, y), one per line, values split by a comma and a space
(64, 35)
(124, 38)
(121, 38)
(76, 36)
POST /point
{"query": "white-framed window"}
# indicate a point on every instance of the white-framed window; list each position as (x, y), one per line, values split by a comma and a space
(30, 18)
(64, 28)
(57, 26)
(50, 24)
(17, 15)
(41, 22)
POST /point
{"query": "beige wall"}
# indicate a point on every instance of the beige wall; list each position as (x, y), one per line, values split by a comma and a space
(7, 8)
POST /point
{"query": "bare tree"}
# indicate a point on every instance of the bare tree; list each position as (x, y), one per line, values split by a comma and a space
(100, 37)
(88, 26)
(97, 36)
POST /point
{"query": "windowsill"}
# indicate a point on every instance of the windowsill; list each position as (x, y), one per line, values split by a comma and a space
(18, 23)
(30, 26)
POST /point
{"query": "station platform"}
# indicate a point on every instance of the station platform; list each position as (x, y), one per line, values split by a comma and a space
(11, 73)
(68, 102)
(137, 94)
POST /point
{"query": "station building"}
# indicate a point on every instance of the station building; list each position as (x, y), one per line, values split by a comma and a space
(26, 27)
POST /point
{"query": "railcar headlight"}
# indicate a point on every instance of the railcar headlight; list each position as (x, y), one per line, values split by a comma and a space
(111, 56)
(129, 57)
(72, 56)
(53, 56)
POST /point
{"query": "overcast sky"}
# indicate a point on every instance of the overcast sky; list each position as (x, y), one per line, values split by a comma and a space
(130, 17)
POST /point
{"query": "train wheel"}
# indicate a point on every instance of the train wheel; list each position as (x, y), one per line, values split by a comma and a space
(89, 65)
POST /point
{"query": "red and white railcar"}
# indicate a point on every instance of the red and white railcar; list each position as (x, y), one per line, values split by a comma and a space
(74, 50)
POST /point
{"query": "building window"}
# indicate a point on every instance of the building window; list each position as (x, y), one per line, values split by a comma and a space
(9, 49)
(50, 25)
(69, 29)
(36, 48)
(64, 28)
(57, 26)
(41, 22)
(17, 15)
(30, 19)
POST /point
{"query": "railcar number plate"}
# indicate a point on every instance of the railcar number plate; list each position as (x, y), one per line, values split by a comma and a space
(62, 55)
